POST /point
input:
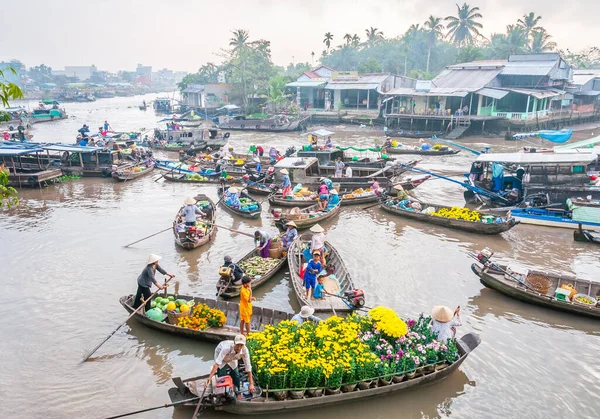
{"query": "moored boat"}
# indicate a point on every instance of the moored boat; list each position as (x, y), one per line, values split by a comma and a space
(260, 317)
(303, 217)
(132, 171)
(175, 176)
(477, 222)
(524, 287)
(203, 232)
(226, 289)
(337, 284)
(249, 208)
(581, 235)
(443, 151)
(259, 188)
(556, 217)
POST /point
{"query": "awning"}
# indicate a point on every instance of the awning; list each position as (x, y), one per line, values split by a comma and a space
(70, 148)
(588, 93)
(319, 133)
(14, 152)
(307, 83)
(352, 86)
(537, 158)
(538, 94)
(493, 93)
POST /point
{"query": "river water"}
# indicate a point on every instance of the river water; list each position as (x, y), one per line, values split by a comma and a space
(64, 267)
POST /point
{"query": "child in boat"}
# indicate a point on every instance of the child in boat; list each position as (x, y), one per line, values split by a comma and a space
(319, 293)
(246, 299)
(310, 275)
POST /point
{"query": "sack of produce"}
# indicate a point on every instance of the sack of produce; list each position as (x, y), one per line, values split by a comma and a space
(297, 188)
(155, 314)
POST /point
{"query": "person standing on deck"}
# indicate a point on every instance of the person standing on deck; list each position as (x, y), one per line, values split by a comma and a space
(339, 167)
(313, 267)
(246, 299)
(348, 171)
(260, 150)
(272, 155)
(189, 211)
(227, 355)
(262, 242)
(317, 241)
(258, 167)
(286, 183)
(146, 279)
(107, 126)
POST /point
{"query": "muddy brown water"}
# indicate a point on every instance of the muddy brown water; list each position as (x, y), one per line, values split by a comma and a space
(64, 267)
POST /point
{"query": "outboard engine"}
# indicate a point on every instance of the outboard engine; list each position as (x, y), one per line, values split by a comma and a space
(291, 150)
(355, 298)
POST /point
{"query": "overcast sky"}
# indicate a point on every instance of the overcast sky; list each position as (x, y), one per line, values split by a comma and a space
(184, 34)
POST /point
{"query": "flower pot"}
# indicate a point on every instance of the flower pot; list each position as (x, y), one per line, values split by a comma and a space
(439, 367)
(314, 393)
(411, 375)
(398, 378)
(296, 394)
(385, 381)
(330, 391)
(429, 368)
(364, 385)
(279, 395)
(348, 388)
(420, 371)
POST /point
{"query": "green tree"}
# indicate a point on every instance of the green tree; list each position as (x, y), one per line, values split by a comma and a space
(529, 23)
(327, 40)
(464, 28)
(369, 66)
(239, 39)
(277, 96)
(374, 35)
(8, 92)
(434, 28)
(348, 38)
(469, 53)
(41, 73)
(540, 41)
(355, 40)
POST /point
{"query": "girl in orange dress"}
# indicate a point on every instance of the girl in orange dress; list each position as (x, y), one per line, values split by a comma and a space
(246, 299)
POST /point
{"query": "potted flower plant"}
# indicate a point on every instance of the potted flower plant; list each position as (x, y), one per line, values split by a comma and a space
(315, 382)
(334, 381)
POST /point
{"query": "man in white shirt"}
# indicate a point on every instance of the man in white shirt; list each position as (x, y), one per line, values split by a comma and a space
(348, 171)
(227, 355)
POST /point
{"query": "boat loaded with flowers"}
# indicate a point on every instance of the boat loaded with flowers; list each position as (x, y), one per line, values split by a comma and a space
(333, 361)
(450, 217)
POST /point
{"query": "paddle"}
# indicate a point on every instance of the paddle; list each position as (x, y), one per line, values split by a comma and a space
(121, 325)
(193, 399)
(199, 402)
(232, 230)
(147, 237)
(172, 170)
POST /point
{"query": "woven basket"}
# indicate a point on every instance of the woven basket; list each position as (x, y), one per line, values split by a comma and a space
(538, 282)
(175, 316)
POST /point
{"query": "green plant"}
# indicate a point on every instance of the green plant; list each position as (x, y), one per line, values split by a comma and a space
(8, 194)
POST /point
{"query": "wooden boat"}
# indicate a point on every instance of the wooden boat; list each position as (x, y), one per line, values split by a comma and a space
(232, 290)
(125, 173)
(260, 317)
(183, 239)
(305, 217)
(498, 280)
(279, 201)
(343, 280)
(239, 212)
(259, 188)
(267, 405)
(401, 150)
(182, 178)
(177, 147)
(358, 200)
(465, 225)
(581, 235)
(278, 123)
(551, 217)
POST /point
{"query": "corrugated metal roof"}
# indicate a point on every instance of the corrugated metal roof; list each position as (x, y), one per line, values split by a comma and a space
(193, 89)
(581, 79)
(354, 85)
(493, 93)
(537, 158)
(465, 79)
(588, 93)
(435, 91)
(306, 83)
(528, 68)
(538, 94)
(70, 148)
(481, 64)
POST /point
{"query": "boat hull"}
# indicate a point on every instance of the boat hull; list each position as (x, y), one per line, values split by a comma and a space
(393, 150)
(552, 221)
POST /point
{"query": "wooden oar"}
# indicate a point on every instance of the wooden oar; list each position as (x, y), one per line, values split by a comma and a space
(199, 402)
(232, 230)
(193, 399)
(172, 170)
(147, 237)
(121, 325)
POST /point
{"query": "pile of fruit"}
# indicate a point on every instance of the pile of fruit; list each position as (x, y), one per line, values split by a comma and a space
(197, 177)
(458, 213)
(202, 317)
(258, 266)
(585, 299)
(359, 193)
(171, 304)
(248, 205)
(137, 169)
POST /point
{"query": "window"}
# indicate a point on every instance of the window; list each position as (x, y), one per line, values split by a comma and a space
(551, 170)
(578, 169)
(537, 170)
(564, 170)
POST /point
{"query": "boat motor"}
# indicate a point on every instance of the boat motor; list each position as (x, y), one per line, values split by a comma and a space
(484, 256)
(223, 391)
(355, 298)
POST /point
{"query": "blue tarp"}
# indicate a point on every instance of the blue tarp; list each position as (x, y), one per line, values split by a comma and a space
(561, 136)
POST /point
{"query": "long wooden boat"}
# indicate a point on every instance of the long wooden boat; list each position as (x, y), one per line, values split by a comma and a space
(182, 178)
(400, 150)
(125, 173)
(183, 239)
(279, 201)
(581, 235)
(304, 217)
(265, 405)
(465, 225)
(239, 212)
(260, 317)
(259, 188)
(359, 200)
(177, 147)
(343, 280)
(499, 281)
(231, 290)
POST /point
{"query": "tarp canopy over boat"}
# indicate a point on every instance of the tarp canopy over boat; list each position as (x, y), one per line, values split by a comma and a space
(589, 143)
(319, 133)
(560, 136)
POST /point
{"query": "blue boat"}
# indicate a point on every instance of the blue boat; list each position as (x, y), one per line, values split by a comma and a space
(551, 218)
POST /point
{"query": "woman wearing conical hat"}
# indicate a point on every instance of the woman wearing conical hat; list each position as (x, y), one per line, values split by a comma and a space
(444, 322)
(146, 279)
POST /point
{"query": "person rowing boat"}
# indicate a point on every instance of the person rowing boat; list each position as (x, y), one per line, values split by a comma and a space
(146, 279)
(227, 355)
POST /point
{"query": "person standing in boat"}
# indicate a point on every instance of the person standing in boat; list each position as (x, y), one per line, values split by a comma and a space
(444, 322)
(272, 155)
(260, 150)
(246, 299)
(189, 211)
(339, 167)
(227, 355)
(286, 183)
(262, 242)
(323, 195)
(258, 166)
(306, 313)
(348, 171)
(146, 279)
(317, 241)
(328, 182)
(107, 126)
(289, 236)
(313, 267)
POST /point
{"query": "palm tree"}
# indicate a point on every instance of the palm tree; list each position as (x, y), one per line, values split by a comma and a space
(239, 39)
(327, 40)
(373, 35)
(469, 53)
(434, 29)
(529, 23)
(348, 38)
(540, 41)
(463, 28)
(515, 41)
(355, 40)
(312, 56)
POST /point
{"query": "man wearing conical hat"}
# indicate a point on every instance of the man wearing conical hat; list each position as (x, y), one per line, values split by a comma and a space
(146, 279)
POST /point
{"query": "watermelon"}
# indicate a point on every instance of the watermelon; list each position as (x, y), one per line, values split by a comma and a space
(154, 314)
(180, 302)
(171, 298)
(158, 300)
(153, 304)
